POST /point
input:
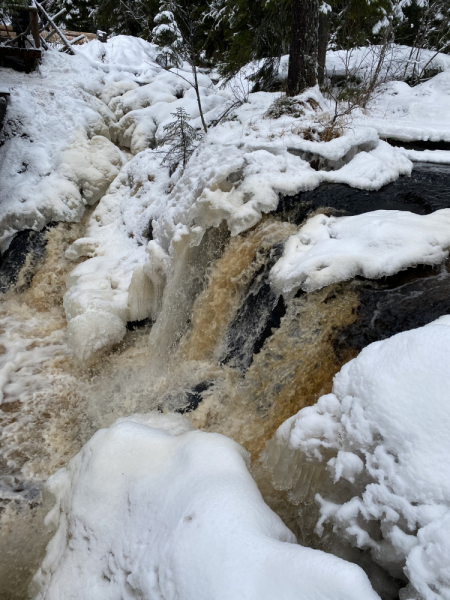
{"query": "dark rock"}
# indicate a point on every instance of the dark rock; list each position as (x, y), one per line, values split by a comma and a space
(427, 190)
(410, 299)
(260, 311)
(25, 243)
(194, 397)
(419, 144)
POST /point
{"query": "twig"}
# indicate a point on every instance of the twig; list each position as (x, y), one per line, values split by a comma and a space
(215, 122)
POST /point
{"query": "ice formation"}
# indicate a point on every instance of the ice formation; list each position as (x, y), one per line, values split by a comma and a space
(382, 435)
(375, 244)
(151, 508)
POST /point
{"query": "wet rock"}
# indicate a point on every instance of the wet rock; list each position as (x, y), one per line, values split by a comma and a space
(419, 144)
(427, 190)
(194, 396)
(260, 312)
(410, 299)
(27, 247)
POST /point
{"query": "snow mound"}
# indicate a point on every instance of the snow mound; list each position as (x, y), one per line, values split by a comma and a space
(383, 433)
(141, 129)
(412, 113)
(56, 156)
(375, 244)
(140, 508)
(122, 51)
(93, 330)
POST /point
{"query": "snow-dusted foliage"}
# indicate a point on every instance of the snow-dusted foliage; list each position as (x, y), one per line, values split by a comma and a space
(181, 139)
(151, 508)
(374, 245)
(382, 435)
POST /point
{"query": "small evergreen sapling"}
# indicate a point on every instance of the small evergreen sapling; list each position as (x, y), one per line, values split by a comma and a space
(182, 138)
(177, 34)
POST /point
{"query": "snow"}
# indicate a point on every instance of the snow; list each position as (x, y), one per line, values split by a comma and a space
(375, 244)
(441, 157)
(111, 102)
(385, 425)
(151, 508)
(399, 61)
(412, 113)
(57, 156)
(114, 245)
(397, 110)
(122, 52)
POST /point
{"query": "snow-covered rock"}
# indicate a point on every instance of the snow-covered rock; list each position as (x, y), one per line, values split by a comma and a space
(412, 113)
(383, 434)
(57, 155)
(151, 508)
(123, 52)
(375, 244)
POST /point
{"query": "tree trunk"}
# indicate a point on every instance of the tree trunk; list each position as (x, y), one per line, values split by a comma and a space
(302, 72)
(199, 102)
(322, 45)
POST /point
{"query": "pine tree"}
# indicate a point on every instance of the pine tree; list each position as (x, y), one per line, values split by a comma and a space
(304, 46)
(133, 17)
(182, 138)
(177, 32)
(79, 15)
(253, 30)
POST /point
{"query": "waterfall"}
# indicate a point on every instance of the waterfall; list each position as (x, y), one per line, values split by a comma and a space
(210, 338)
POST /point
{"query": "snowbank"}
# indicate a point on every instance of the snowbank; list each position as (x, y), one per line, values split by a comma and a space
(57, 156)
(122, 52)
(375, 244)
(114, 245)
(398, 64)
(383, 434)
(153, 509)
(412, 113)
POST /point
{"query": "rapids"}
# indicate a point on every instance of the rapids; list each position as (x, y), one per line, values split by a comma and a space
(224, 347)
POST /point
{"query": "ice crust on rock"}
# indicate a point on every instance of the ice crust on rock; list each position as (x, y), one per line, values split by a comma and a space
(375, 244)
(151, 508)
(385, 426)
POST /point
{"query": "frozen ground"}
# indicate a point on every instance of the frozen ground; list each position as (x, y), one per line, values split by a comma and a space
(140, 508)
(383, 434)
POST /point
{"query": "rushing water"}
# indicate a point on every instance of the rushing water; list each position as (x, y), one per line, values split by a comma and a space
(224, 348)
